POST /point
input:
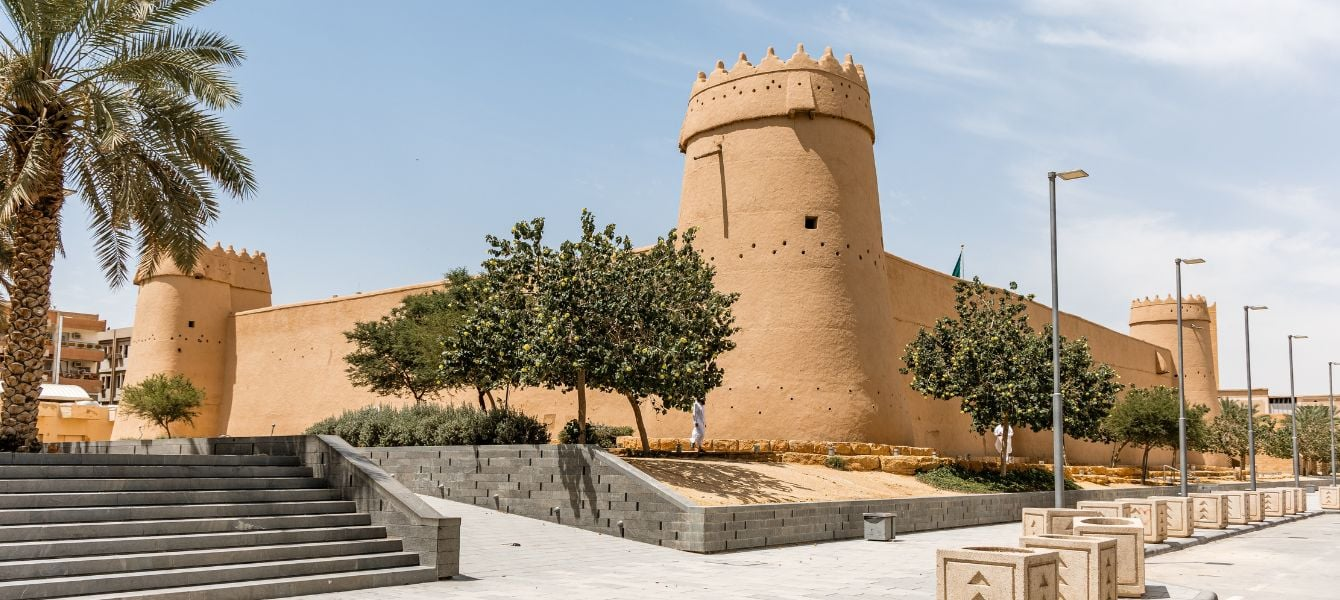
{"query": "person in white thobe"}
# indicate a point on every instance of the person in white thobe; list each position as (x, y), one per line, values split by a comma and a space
(1004, 443)
(699, 424)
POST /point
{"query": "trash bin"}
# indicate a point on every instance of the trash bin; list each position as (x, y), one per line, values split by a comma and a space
(879, 526)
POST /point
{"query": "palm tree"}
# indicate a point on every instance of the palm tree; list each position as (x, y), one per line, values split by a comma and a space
(112, 101)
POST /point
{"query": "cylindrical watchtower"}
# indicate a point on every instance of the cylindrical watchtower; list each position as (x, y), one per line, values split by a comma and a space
(779, 179)
(1155, 321)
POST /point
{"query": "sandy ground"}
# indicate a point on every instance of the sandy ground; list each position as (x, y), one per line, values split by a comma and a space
(721, 483)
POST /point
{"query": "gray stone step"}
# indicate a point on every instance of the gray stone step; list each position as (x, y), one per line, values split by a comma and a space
(76, 499)
(54, 549)
(152, 561)
(283, 587)
(38, 485)
(27, 589)
(138, 471)
(70, 531)
(94, 514)
(13, 458)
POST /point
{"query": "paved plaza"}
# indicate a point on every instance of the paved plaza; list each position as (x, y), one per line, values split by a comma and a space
(506, 556)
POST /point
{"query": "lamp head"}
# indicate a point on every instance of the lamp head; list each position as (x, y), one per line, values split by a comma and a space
(1297, 337)
(1255, 307)
(1076, 174)
(1191, 261)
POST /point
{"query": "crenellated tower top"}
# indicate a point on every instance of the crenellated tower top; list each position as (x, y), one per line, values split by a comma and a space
(798, 86)
(1164, 309)
(244, 270)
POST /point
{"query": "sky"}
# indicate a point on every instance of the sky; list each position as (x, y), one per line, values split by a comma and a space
(388, 142)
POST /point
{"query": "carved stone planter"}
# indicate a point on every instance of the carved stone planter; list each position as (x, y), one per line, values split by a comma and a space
(1106, 508)
(1153, 512)
(1290, 501)
(1330, 497)
(1300, 500)
(1255, 508)
(1130, 537)
(996, 573)
(1272, 502)
(1207, 511)
(1235, 507)
(1040, 521)
(1086, 566)
(1179, 516)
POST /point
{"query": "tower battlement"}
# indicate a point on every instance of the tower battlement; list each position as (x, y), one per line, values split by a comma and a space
(798, 86)
(244, 270)
(1163, 310)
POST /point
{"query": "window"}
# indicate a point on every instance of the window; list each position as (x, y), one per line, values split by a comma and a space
(811, 222)
(190, 323)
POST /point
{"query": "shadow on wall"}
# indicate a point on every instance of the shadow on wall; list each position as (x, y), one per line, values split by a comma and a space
(573, 471)
(738, 483)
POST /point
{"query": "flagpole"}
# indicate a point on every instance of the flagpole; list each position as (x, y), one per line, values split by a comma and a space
(963, 272)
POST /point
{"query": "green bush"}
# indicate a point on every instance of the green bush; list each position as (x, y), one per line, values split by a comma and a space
(605, 436)
(433, 425)
(957, 478)
(835, 462)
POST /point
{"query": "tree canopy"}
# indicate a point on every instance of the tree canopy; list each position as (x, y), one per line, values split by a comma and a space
(1314, 437)
(1227, 431)
(1147, 418)
(163, 399)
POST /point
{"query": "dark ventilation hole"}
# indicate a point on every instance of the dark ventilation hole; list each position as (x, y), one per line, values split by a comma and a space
(811, 222)
(190, 323)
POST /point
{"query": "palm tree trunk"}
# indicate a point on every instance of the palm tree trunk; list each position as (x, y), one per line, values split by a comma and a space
(36, 236)
(641, 427)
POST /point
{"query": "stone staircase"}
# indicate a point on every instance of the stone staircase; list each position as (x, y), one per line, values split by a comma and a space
(185, 527)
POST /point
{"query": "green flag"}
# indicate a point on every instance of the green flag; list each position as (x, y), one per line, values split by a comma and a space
(958, 266)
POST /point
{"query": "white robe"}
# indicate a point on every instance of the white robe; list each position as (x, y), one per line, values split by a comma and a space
(699, 423)
(1007, 443)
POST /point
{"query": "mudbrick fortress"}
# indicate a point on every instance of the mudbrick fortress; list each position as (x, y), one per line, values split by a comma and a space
(779, 178)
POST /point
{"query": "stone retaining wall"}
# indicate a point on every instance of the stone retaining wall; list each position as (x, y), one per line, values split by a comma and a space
(591, 489)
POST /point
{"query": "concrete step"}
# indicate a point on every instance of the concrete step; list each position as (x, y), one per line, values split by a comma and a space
(55, 549)
(96, 514)
(283, 587)
(71, 531)
(55, 486)
(17, 458)
(153, 471)
(54, 587)
(153, 561)
(75, 499)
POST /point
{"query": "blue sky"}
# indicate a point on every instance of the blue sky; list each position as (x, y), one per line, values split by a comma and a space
(389, 141)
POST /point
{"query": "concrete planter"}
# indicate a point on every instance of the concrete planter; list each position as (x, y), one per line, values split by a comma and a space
(1042, 521)
(1086, 566)
(1273, 502)
(1255, 506)
(1106, 508)
(879, 527)
(996, 573)
(1130, 537)
(1330, 497)
(1290, 501)
(1300, 499)
(1179, 515)
(1235, 507)
(1152, 512)
(1207, 511)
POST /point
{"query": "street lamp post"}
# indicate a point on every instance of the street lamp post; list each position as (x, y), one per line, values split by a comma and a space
(1181, 377)
(1330, 384)
(1058, 420)
(1251, 408)
(1293, 408)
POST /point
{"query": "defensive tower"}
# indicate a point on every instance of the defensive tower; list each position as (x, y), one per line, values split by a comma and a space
(779, 179)
(1155, 321)
(182, 325)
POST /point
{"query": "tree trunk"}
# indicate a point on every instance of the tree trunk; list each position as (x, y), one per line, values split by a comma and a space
(1005, 446)
(493, 402)
(1144, 467)
(480, 392)
(581, 406)
(641, 428)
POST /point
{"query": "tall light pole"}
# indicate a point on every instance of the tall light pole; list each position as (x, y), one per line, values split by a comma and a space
(1058, 420)
(1330, 384)
(1251, 408)
(1181, 376)
(1293, 408)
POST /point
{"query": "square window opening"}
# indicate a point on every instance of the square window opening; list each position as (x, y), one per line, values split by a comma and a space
(190, 323)
(811, 222)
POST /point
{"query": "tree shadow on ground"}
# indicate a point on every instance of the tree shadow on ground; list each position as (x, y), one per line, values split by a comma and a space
(734, 482)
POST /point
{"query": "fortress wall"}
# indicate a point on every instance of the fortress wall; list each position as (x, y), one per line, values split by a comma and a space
(286, 366)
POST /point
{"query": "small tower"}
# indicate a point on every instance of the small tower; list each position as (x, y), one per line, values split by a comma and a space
(779, 179)
(1155, 321)
(183, 325)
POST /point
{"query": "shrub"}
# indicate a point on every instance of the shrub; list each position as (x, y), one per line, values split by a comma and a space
(835, 462)
(957, 478)
(163, 400)
(433, 425)
(605, 436)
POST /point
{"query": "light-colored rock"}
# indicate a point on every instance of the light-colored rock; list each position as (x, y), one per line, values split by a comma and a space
(1179, 515)
(1043, 521)
(1272, 502)
(1207, 511)
(1153, 512)
(1086, 566)
(1106, 508)
(1235, 507)
(1255, 506)
(996, 573)
(1130, 537)
(1330, 497)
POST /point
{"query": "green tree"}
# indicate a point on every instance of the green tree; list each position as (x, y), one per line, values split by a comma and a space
(1000, 369)
(1147, 418)
(164, 400)
(1227, 431)
(114, 100)
(1314, 438)
(485, 352)
(401, 352)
